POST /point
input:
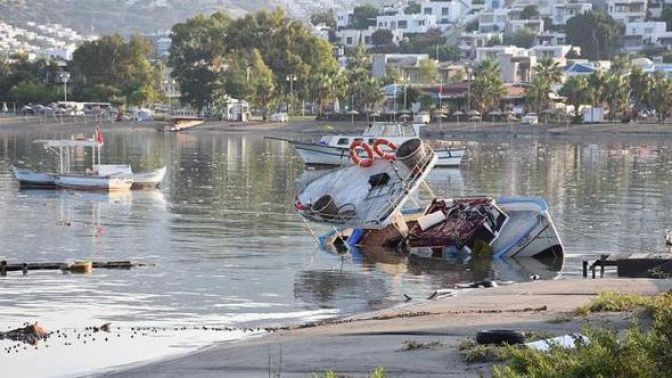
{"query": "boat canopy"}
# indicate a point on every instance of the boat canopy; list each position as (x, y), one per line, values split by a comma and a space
(392, 129)
(70, 143)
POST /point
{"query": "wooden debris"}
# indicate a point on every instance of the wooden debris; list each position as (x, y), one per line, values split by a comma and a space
(25, 267)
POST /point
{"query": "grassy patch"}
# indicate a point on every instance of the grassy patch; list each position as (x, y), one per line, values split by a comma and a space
(637, 352)
(610, 301)
(409, 345)
(562, 318)
(378, 372)
(473, 352)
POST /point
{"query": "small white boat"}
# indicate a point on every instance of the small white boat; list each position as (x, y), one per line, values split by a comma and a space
(95, 182)
(148, 180)
(37, 180)
(334, 149)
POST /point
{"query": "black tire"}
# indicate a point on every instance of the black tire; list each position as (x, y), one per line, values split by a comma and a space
(500, 337)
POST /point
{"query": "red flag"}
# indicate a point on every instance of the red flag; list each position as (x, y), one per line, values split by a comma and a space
(99, 136)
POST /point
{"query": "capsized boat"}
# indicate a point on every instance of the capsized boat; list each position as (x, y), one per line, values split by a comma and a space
(333, 149)
(366, 207)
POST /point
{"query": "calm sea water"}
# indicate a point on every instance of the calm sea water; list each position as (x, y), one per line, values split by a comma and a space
(229, 251)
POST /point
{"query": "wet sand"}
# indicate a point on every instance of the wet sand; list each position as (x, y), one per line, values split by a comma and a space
(357, 345)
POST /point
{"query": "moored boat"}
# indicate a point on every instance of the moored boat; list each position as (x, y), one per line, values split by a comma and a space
(31, 179)
(94, 182)
(148, 180)
(333, 149)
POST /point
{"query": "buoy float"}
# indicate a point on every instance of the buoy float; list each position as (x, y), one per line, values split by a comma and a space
(354, 156)
(380, 152)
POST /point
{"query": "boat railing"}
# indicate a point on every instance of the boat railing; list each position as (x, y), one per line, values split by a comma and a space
(416, 175)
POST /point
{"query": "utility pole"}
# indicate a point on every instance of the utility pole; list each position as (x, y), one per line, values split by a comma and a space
(291, 78)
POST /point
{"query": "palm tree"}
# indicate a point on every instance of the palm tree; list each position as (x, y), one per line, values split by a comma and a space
(660, 96)
(487, 88)
(577, 92)
(640, 86)
(547, 73)
(616, 93)
(548, 69)
(596, 87)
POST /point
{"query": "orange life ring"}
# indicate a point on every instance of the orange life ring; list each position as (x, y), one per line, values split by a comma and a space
(355, 156)
(380, 152)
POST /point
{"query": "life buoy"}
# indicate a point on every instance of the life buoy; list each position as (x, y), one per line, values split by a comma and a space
(380, 152)
(354, 156)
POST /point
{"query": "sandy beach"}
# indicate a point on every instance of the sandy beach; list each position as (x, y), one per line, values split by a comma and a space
(357, 345)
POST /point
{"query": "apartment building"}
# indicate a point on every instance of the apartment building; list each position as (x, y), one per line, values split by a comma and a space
(641, 34)
(626, 11)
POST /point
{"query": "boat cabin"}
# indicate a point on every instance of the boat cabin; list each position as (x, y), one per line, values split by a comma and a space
(395, 132)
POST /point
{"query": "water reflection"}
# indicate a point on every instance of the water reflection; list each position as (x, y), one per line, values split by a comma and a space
(229, 250)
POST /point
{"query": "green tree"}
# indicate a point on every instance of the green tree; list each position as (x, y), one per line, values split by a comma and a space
(382, 37)
(31, 91)
(660, 95)
(487, 88)
(529, 12)
(412, 8)
(121, 68)
(596, 88)
(197, 45)
(495, 40)
(616, 93)
(597, 34)
(523, 38)
(547, 73)
(576, 91)
(364, 16)
(325, 16)
(263, 82)
(365, 90)
(427, 71)
(666, 16)
(640, 87)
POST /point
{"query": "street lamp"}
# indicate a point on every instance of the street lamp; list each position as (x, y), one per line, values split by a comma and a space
(64, 77)
(291, 78)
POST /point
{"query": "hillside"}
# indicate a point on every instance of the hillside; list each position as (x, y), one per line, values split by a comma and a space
(144, 16)
(124, 16)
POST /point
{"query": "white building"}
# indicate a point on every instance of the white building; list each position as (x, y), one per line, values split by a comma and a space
(344, 18)
(407, 23)
(514, 26)
(469, 42)
(351, 37)
(491, 53)
(641, 34)
(626, 11)
(445, 12)
(557, 53)
(563, 11)
(493, 21)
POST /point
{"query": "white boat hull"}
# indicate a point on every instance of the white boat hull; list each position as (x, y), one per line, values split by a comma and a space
(90, 182)
(145, 180)
(30, 179)
(315, 154)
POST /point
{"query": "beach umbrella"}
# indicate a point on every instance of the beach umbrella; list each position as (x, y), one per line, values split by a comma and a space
(457, 115)
(4, 107)
(474, 113)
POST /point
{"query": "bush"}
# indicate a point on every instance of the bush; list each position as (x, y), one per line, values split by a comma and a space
(638, 352)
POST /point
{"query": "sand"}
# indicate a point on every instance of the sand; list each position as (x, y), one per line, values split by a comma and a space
(357, 345)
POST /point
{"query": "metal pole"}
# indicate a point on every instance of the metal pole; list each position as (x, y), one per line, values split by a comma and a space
(65, 90)
(468, 92)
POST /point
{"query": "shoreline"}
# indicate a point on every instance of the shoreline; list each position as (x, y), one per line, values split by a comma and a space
(484, 131)
(358, 344)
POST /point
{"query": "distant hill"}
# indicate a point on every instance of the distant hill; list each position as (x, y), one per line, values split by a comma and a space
(123, 16)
